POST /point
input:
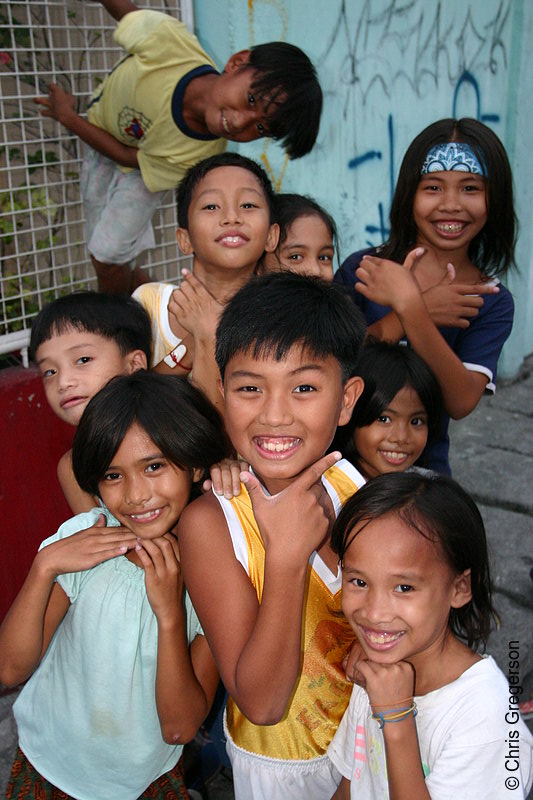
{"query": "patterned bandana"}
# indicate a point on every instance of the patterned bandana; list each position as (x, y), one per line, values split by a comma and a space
(452, 157)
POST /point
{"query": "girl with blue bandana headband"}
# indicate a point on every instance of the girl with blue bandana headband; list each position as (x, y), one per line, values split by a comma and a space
(433, 284)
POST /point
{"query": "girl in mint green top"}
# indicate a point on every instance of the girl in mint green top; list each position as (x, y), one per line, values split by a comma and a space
(121, 675)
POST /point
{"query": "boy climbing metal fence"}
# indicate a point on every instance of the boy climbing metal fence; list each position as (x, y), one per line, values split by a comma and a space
(42, 244)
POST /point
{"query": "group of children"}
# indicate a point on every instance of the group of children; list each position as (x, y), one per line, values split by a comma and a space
(341, 600)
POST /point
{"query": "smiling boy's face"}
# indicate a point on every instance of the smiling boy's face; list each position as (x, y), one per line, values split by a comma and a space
(282, 415)
(75, 365)
(229, 223)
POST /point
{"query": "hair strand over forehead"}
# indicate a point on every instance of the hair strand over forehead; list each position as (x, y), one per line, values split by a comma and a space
(440, 510)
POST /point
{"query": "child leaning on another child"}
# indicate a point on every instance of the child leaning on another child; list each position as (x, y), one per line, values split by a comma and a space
(163, 108)
(287, 346)
(453, 204)
(397, 415)
(428, 717)
(79, 342)
(118, 672)
(226, 222)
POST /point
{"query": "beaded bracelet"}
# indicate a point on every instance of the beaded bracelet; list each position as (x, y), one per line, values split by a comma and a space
(395, 715)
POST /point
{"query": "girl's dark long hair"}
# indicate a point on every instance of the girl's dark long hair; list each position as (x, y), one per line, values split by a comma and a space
(492, 250)
(177, 417)
(441, 511)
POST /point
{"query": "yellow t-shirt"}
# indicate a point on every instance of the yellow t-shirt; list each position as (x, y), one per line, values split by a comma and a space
(138, 103)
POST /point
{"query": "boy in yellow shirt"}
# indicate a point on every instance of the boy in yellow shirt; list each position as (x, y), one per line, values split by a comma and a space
(162, 109)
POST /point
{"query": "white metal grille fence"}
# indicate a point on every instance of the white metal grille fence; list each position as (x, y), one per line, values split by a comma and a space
(42, 250)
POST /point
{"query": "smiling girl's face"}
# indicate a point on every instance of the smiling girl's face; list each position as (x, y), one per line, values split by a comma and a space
(396, 439)
(307, 249)
(397, 591)
(449, 209)
(143, 489)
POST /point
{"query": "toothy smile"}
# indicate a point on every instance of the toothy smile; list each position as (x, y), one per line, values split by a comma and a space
(146, 515)
(450, 227)
(393, 456)
(278, 445)
(381, 638)
(232, 240)
(225, 125)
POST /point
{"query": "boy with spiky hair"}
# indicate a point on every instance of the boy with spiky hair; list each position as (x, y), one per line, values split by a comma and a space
(162, 109)
(259, 567)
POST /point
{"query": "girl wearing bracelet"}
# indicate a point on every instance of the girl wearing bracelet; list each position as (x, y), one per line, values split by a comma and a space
(429, 716)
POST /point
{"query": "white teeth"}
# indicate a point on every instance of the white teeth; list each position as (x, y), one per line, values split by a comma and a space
(383, 637)
(451, 227)
(277, 447)
(393, 455)
(225, 123)
(232, 239)
(147, 514)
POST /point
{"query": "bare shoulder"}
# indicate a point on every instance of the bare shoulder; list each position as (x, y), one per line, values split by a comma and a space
(77, 499)
(205, 510)
(64, 466)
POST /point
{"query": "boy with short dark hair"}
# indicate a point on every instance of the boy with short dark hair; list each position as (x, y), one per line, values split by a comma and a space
(164, 108)
(79, 342)
(226, 222)
(259, 567)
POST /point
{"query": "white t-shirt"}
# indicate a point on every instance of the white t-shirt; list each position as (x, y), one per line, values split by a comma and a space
(472, 744)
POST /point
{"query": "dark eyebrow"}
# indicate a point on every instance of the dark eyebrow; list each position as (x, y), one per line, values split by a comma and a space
(245, 373)
(82, 346)
(215, 190)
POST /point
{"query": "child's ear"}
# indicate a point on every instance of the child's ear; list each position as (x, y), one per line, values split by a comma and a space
(220, 387)
(238, 60)
(136, 360)
(462, 589)
(272, 238)
(184, 242)
(353, 389)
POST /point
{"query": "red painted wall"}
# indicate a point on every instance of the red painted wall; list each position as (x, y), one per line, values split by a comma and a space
(32, 505)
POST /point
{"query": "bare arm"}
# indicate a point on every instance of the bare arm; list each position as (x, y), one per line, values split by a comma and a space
(118, 8)
(225, 599)
(77, 499)
(186, 681)
(343, 790)
(387, 687)
(40, 605)
(392, 284)
(59, 105)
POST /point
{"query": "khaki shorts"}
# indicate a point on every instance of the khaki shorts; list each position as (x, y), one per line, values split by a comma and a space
(118, 210)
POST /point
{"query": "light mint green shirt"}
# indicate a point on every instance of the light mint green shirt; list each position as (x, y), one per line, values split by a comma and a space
(87, 718)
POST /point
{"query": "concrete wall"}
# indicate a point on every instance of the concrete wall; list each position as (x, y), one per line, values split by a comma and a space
(388, 69)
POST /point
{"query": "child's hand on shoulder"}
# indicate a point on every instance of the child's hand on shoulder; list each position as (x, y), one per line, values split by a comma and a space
(226, 477)
(296, 521)
(162, 575)
(386, 282)
(85, 549)
(194, 308)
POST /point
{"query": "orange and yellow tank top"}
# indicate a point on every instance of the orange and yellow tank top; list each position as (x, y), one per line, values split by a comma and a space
(322, 692)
